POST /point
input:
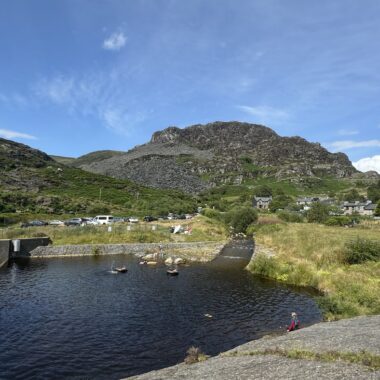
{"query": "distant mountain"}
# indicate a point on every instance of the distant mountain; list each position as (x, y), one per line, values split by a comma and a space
(87, 159)
(33, 182)
(201, 156)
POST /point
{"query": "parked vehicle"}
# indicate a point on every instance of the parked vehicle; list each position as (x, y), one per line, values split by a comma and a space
(103, 219)
(74, 222)
(118, 219)
(149, 218)
(133, 220)
(56, 223)
(34, 223)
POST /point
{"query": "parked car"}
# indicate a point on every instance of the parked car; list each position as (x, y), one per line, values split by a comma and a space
(149, 218)
(74, 222)
(34, 223)
(56, 223)
(118, 219)
(133, 220)
(103, 219)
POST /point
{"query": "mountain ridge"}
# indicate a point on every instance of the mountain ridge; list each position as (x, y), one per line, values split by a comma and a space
(201, 156)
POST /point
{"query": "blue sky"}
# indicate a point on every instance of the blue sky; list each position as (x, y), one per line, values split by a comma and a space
(84, 75)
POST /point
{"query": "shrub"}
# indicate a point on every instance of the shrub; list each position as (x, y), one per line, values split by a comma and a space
(338, 221)
(240, 219)
(318, 213)
(264, 266)
(263, 191)
(362, 250)
(211, 213)
(291, 217)
(334, 307)
(195, 355)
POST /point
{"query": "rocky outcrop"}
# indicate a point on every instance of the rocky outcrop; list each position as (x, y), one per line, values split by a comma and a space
(201, 156)
(347, 349)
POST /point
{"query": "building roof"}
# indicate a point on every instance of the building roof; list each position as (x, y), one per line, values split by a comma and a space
(371, 206)
(263, 199)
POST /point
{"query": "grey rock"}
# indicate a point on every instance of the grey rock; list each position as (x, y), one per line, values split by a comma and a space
(351, 335)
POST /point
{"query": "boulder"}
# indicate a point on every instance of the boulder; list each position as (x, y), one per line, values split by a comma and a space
(179, 260)
(169, 261)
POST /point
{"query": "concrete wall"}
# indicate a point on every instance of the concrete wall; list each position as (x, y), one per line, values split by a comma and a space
(197, 251)
(4, 251)
(28, 245)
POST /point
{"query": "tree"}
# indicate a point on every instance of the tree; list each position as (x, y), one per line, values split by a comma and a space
(318, 213)
(263, 191)
(240, 219)
(352, 196)
(377, 211)
(279, 202)
(373, 192)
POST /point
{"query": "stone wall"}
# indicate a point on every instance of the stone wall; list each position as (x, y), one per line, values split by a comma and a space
(4, 251)
(197, 251)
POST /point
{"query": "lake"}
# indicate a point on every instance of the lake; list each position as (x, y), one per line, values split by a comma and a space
(72, 318)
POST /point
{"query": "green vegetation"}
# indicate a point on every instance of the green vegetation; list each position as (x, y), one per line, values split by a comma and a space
(361, 250)
(316, 256)
(195, 355)
(362, 358)
(240, 219)
(202, 229)
(377, 211)
(373, 192)
(74, 191)
(318, 213)
(237, 220)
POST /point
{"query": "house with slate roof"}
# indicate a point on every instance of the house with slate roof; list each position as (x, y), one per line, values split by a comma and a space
(262, 203)
(362, 208)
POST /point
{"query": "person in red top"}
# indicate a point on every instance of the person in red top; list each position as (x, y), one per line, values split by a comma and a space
(294, 323)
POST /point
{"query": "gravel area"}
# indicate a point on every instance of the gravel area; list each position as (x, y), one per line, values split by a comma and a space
(350, 335)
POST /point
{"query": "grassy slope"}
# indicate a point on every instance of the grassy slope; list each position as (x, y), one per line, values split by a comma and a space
(75, 191)
(311, 255)
(203, 229)
(63, 160)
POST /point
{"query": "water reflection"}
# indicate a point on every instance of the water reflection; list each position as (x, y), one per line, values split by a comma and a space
(71, 317)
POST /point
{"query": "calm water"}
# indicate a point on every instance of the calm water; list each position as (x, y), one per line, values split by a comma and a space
(72, 318)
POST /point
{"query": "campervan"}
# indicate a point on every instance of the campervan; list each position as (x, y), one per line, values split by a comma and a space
(103, 219)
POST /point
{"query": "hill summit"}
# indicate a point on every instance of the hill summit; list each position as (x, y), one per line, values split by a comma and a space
(202, 156)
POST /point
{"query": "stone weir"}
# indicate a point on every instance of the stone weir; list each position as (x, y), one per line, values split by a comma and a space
(15, 248)
(194, 251)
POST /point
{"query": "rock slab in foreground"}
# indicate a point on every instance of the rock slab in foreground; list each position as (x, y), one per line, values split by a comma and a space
(350, 335)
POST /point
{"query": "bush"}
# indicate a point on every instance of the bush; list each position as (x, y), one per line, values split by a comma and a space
(338, 221)
(291, 217)
(240, 219)
(334, 307)
(362, 250)
(318, 213)
(211, 213)
(195, 355)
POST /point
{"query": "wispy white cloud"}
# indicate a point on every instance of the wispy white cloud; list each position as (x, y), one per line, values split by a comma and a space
(350, 144)
(115, 41)
(368, 163)
(8, 134)
(265, 114)
(98, 95)
(347, 132)
(14, 99)
(59, 89)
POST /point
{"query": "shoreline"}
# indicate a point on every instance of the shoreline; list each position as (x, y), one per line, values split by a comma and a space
(190, 251)
(325, 350)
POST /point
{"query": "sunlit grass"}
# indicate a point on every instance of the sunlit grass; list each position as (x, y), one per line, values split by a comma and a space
(313, 255)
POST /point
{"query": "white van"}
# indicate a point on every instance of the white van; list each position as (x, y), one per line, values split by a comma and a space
(103, 219)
